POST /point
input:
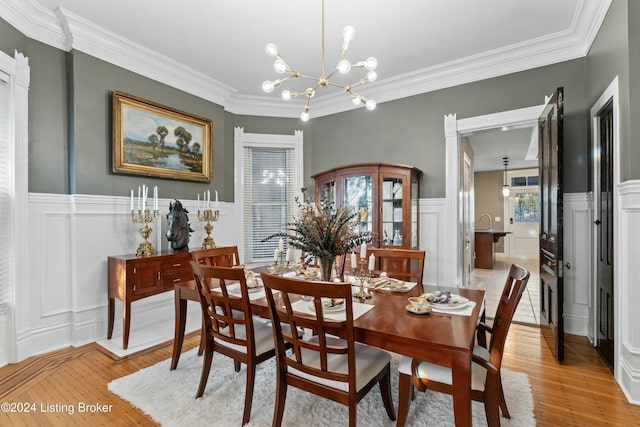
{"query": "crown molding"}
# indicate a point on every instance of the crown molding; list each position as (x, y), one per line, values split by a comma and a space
(85, 36)
(34, 21)
(65, 30)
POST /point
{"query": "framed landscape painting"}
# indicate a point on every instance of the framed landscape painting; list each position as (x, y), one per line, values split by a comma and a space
(154, 140)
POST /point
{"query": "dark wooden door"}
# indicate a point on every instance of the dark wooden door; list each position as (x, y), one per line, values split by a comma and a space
(550, 163)
(604, 235)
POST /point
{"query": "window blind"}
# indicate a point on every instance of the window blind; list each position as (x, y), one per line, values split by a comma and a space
(268, 196)
(6, 191)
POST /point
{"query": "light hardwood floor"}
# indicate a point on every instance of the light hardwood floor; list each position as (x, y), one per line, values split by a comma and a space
(581, 392)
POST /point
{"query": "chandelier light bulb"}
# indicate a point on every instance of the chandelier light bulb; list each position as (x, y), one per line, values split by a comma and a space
(348, 33)
(268, 86)
(370, 104)
(279, 66)
(272, 50)
(370, 63)
(505, 191)
(344, 67)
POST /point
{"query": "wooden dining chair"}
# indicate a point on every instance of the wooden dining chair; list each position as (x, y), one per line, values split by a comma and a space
(486, 382)
(335, 368)
(230, 327)
(223, 256)
(405, 264)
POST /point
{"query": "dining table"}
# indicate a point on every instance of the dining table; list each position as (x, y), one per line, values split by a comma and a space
(442, 337)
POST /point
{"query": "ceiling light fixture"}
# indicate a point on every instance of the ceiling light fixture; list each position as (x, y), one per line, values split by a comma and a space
(343, 67)
(505, 186)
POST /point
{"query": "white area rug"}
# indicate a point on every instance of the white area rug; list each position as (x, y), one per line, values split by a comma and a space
(169, 398)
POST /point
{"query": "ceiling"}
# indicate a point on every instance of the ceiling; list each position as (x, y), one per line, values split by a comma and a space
(216, 49)
(519, 145)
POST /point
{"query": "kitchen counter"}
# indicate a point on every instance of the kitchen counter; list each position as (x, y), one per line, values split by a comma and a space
(485, 241)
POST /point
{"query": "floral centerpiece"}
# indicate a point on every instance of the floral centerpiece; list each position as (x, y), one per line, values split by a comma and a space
(324, 232)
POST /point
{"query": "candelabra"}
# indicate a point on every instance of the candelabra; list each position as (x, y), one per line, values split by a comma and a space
(145, 217)
(362, 274)
(280, 264)
(208, 215)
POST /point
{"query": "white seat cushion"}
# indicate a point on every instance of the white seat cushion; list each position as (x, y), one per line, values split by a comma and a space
(443, 375)
(369, 362)
(263, 335)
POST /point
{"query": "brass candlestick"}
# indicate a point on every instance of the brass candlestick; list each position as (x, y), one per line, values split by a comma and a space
(363, 274)
(280, 265)
(208, 215)
(145, 217)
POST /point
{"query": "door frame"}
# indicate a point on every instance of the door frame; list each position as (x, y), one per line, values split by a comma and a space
(453, 129)
(611, 93)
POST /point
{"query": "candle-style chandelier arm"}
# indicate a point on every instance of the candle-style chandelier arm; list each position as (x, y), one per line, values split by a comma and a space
(343, 67)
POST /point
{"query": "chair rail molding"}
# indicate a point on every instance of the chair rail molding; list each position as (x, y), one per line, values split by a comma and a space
(73, 235)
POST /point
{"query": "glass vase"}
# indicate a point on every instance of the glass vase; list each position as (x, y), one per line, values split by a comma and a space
(326, 268)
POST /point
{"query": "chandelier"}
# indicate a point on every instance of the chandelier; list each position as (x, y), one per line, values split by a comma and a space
(505, 186)
(343, 67)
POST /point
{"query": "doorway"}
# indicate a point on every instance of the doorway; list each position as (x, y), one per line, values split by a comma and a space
(605, 141)
(454, 129)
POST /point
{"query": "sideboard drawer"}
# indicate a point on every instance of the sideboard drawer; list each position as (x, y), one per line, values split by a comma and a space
(177, 264)
(169, 280)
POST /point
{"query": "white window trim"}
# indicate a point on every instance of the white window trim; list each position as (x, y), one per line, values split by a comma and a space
(17, 71)
(243, 140)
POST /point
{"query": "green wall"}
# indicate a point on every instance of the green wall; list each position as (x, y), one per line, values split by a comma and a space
(411, 130)
(48, 132)
(71, 152)
(608, 57)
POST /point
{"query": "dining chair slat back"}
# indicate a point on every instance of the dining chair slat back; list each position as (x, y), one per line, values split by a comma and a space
(405, 264)
(335, 368)
(230, 328)
(224, 256)
(486, 379)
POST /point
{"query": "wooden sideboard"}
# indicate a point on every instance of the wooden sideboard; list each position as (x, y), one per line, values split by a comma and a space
(132, 278)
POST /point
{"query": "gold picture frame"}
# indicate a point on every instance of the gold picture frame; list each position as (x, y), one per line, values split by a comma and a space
(158, 141)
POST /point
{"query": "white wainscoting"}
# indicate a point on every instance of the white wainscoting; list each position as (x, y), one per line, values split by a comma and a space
(5, 330)
(577, 258)
(627, 292)
(62, 299)
(434, 240)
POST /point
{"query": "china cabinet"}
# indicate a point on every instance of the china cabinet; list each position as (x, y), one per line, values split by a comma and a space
(385, 196)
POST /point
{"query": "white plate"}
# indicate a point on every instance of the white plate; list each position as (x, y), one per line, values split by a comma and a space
(254, 289)
(462, 302)
(328, 308)
(412, 309)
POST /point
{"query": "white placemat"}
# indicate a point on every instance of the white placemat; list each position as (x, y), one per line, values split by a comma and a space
(302, 306)
(234, 289)
(407, 286)
(466, 311)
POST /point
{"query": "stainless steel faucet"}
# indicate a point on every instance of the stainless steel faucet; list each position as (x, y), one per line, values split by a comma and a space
(488, 216)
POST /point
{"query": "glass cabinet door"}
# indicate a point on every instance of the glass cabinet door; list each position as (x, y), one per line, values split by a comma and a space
(358, 194)
(328, 192)
(392, 211)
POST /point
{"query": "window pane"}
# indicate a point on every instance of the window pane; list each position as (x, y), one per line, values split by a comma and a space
(518, 181)
(532, 180)
(526, 208)
(268, 194)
